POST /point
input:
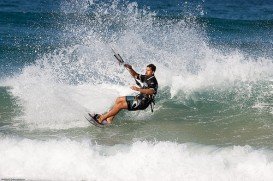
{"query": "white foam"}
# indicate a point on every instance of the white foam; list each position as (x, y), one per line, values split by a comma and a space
(219, 71)
(60, 106)
(72, 160)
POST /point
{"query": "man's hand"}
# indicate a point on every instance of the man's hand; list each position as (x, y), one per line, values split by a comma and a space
(128, 66)
(135, 88)
(131, 70)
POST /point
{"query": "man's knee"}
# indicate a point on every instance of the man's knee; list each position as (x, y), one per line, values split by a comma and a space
(123, 105)
(120, 100)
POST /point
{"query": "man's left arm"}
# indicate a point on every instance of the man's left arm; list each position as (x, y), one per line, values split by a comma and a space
(149, 91)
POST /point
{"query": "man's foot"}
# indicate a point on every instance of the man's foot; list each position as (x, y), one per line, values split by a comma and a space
(97, 119)
(102, 122)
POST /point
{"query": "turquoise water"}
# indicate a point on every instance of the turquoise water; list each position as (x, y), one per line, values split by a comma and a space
(213, 117)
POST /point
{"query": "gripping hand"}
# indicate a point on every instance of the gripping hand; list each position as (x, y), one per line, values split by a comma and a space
(128, 66)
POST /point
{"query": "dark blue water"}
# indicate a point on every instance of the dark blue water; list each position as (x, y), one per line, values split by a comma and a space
(30, 28)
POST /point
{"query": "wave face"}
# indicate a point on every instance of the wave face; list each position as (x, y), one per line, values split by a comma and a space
(214, 106)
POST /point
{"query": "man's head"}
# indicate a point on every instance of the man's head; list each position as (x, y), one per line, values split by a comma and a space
(150, 69)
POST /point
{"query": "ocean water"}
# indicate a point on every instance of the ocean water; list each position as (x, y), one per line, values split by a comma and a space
(213, 118)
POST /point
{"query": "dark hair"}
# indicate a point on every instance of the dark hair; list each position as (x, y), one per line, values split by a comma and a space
(152, 66)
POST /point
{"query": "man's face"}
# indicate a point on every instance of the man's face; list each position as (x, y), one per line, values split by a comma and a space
(149, 71)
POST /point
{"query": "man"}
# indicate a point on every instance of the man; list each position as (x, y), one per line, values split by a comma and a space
(147, 91)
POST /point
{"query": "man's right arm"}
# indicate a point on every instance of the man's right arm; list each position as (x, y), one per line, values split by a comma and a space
(131, 71)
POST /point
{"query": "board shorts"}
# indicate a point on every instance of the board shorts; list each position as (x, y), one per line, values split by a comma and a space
(136, 104)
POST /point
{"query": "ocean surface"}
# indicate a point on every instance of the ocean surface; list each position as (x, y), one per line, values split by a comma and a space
(213, 118)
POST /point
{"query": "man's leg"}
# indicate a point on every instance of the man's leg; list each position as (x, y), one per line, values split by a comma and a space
(118, 100)
(119, 104)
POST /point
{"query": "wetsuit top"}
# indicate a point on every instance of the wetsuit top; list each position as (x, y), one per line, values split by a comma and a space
(147, 83)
